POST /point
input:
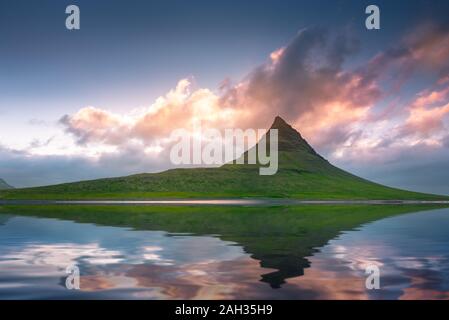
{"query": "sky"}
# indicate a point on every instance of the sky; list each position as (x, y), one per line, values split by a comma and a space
(102, 101)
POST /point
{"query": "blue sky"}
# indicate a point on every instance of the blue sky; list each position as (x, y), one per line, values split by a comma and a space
(127, 53)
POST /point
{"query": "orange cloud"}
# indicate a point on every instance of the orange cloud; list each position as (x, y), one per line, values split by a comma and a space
(428, 98)
(93, 124)
(304, 82)
(179, 108)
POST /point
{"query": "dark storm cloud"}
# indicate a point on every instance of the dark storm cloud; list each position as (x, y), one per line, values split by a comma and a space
(425, 48)
(307, 77)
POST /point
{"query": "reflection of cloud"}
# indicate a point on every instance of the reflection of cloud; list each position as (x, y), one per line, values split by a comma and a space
(329, 285)
(408, 251)
(150, 253)
(356, 258)
(147, 264)
(64, 254)
(419, 289)
(213, 280)
(106, 281)
(115, 262)
(344, 276)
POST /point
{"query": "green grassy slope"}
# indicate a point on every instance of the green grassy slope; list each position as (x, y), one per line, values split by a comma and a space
(302, 174)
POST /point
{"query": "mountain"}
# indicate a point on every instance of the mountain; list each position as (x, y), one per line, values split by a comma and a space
(302, 174)
(4, 185)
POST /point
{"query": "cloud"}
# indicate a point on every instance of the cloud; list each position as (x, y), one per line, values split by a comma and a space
(424, 49)
(351, 114)
(23, 169)
(413, 154)
(306, 84)
(92, 124)
(424, 122)
(179, 108)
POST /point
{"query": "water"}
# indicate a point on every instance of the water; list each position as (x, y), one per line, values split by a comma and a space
(411, 251)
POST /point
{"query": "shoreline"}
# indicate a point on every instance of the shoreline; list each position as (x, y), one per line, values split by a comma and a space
(220, 202)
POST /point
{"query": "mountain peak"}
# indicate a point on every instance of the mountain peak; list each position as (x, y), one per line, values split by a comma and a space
(279, 123)
(285, 130)
(290, 139)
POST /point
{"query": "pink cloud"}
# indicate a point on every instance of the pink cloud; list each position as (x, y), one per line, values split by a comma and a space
(306, 83)
(179, 108)
(424, 120)
(93, 124)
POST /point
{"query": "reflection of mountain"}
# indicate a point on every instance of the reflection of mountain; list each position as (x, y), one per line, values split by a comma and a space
(302, 173)
(280, 238)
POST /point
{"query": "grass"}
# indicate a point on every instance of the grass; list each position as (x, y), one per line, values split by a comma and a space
(279, 237)
(302, 174)
(234, 181)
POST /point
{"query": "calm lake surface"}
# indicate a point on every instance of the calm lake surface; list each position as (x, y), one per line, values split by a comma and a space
(411, 251)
